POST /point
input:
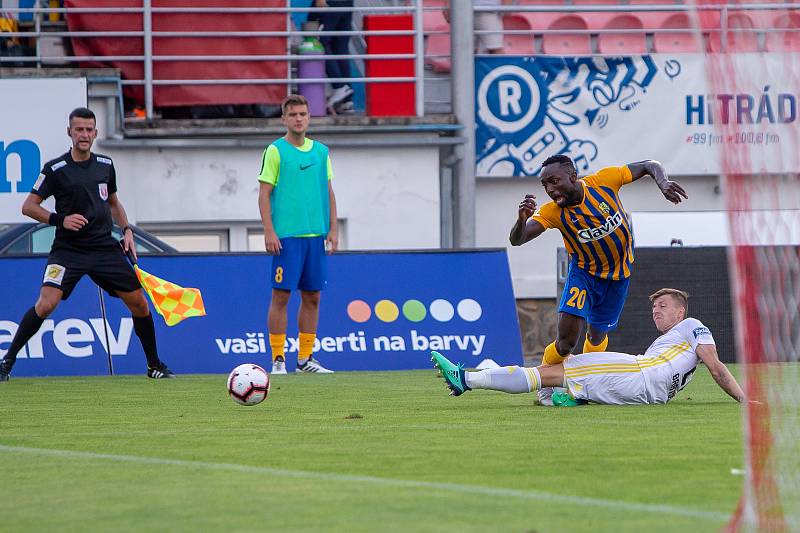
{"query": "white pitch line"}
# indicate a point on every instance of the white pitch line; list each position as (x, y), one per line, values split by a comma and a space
(537, 496)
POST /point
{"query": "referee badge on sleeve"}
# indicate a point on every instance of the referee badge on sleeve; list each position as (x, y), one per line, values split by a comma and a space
(103, 187)
(39, 182)
(54, 274)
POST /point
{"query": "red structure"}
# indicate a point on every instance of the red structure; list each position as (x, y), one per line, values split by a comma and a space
(389, 99)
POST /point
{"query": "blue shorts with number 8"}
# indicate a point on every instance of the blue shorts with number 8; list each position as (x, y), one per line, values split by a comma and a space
(599, 301)
(302, 264)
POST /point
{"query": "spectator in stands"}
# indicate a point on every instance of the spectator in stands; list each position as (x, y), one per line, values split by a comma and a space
(340, 100)
(486, 43)
(298, 211)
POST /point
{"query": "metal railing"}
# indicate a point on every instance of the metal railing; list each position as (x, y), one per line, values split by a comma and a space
(147, 34)
(148, 58)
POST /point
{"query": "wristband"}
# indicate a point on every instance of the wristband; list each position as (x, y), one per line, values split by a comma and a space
(126, 228)
(56, 220)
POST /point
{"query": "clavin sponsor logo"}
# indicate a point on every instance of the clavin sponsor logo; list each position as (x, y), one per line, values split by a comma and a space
(593, 234)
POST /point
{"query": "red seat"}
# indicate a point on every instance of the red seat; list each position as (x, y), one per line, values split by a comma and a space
(623, 43)
(438, 45)
(686, 40)
(783, 40)
(567, 43)
(519, 43)
(741, 34)
(433, 20)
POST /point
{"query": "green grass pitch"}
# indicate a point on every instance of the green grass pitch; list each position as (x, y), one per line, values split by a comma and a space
(358, 451)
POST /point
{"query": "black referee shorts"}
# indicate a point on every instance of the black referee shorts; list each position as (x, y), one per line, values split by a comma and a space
(106, 266)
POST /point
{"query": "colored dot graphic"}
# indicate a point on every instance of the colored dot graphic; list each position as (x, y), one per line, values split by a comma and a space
(387, 311)
(440, 310)
(359, 311)
(469, 310)
(414, 310)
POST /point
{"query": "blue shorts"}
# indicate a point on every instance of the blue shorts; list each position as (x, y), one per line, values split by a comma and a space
(302, 264)
(598, 301)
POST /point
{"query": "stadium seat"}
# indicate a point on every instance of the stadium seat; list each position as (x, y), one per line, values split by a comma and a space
(433, 20)
(567, 43)
(438, 45)
(742, 34)
(517, 44)
(781, 40)
(541, 2)
(623, 43)
(685, 40)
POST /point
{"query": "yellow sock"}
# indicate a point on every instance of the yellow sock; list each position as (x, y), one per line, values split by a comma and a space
(588, 347)
(306, 346)
(276, 344)
(551, 355)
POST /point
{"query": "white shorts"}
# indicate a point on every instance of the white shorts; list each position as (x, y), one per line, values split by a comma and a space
(488, 41)
(605, 377)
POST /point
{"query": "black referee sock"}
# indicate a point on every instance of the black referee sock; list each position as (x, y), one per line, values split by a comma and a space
(28, 326)
(146, 331)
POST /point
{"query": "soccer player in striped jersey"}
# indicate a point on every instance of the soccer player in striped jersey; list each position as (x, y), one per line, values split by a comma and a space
(614, 378)
(597, 234)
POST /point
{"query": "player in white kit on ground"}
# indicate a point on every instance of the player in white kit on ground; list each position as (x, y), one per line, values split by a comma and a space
(611, 377)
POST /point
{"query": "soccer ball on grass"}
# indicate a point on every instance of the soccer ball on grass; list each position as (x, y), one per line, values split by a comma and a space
(248, 384)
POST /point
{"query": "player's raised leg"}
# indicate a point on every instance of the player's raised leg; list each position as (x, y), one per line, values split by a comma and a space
(510, 379)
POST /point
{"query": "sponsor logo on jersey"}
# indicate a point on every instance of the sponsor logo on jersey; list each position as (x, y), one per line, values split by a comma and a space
(105, 160)
(39, 182)
(700, 331)
(103, 188)
(58, 165)
(54, 274)
(593, 234)
(604, 208)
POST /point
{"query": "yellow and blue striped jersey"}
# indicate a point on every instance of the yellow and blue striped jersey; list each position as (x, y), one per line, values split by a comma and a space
(596, 232)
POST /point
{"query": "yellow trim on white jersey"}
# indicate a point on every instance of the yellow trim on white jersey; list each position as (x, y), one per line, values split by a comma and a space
(626, 368)
(666, 356)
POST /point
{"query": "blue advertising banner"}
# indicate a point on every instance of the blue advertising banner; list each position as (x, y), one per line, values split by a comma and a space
(381, 311)
(604, 111)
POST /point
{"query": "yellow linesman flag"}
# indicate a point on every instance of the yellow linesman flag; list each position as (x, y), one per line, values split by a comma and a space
(173, 302)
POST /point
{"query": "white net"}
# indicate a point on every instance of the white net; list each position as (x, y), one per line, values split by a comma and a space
(756, 97)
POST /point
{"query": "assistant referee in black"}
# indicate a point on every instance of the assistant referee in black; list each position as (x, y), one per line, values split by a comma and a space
(84, 185)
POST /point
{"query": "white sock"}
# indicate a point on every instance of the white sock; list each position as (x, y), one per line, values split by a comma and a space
(511, 379)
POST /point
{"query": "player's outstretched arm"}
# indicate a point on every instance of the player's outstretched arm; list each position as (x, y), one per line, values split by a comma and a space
(708, 354)
(671, 190)
(525, 228)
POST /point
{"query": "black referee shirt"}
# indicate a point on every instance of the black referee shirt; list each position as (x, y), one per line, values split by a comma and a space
(80, 187)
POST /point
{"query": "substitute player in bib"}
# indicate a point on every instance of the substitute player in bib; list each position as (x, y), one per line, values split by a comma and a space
(598, 237)
(298, 211)
(84, 185)
(666, 367)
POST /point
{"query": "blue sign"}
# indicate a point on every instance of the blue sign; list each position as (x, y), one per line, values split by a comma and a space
(381, 311)
(529, 108)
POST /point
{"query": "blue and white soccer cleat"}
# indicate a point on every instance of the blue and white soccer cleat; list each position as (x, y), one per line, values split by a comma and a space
(452, 374)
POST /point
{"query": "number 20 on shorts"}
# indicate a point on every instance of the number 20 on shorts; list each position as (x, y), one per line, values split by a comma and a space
(577, 297)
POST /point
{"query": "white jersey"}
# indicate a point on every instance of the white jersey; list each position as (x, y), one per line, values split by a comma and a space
(669, 363)
(655, 377)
